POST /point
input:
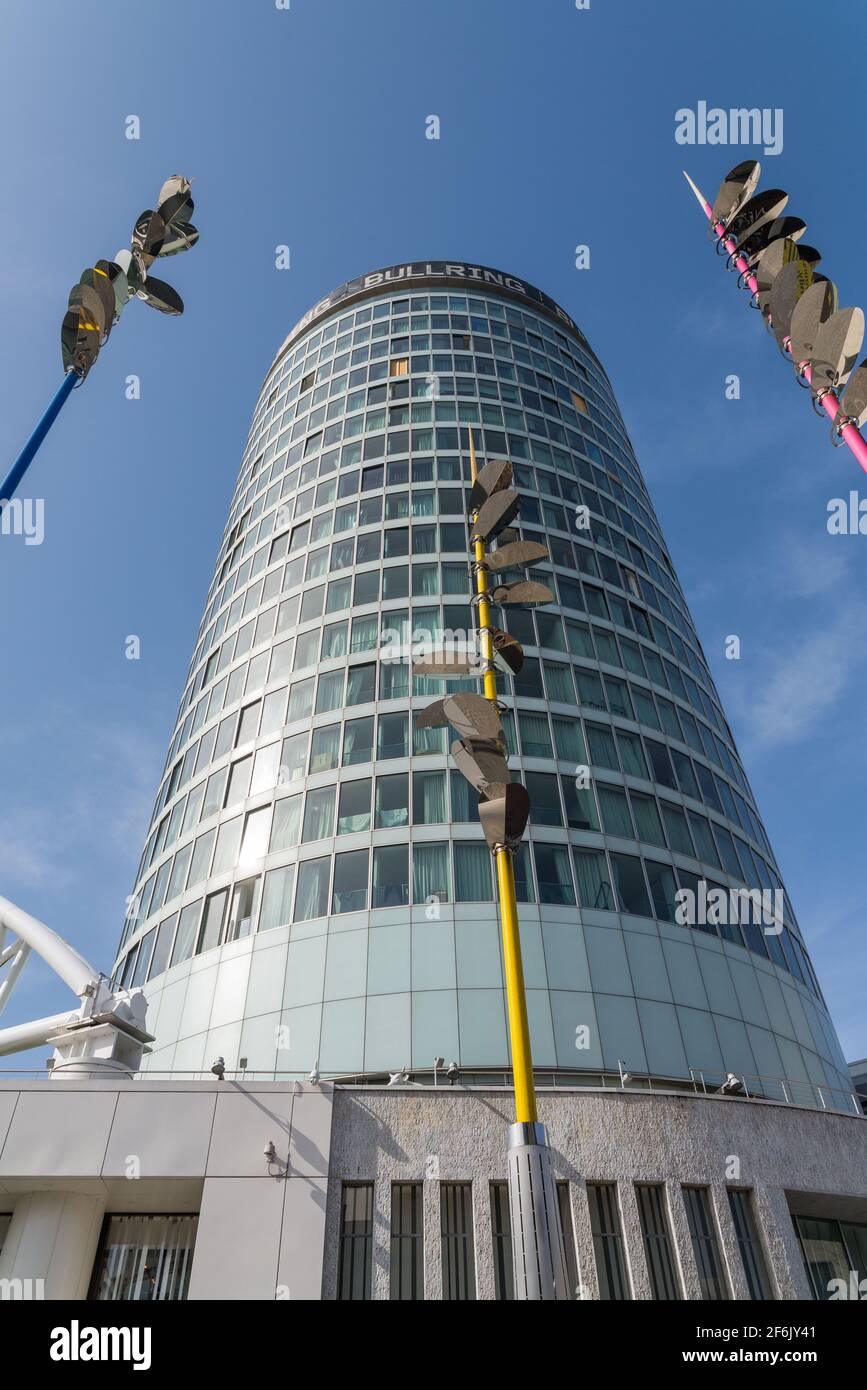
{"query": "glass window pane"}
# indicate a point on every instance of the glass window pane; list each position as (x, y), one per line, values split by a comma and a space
(318, 814)
(392, 801)
(553, 874)
(704, 1244)
(353, 811)
(657, 1242)
(311, 899)
(428, 798)
(407, 1227)
(228, 844)
(356, 1242)
(456, 1240)
(358, 741)
(325, 749)
(391, 876)
(277, 898)
(607, 1241)
(629, 883)
(472, 872)
(430, 873)
(212, 920)
(594, 882)
(145, 1259)
(749, 1244)
(349, 892)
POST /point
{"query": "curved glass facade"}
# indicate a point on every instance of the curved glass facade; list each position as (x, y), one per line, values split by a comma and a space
(315, 885)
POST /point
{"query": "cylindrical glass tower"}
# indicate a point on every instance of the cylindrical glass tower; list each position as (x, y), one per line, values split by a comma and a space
(315, 887)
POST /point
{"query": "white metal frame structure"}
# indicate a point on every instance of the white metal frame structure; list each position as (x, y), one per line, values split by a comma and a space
(106, 1031)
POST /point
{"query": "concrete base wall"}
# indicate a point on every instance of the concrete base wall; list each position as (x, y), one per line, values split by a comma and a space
(72, 1152)
(783, 1154)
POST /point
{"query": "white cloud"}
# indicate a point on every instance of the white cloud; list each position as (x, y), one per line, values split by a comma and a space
(809, 565)
(805, 681)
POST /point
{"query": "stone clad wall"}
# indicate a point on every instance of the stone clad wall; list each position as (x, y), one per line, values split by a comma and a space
(391, 1135)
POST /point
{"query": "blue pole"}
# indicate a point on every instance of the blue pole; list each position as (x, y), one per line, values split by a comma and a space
(25, 458)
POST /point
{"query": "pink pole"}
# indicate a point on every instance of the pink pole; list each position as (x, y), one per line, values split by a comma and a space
(850, 434)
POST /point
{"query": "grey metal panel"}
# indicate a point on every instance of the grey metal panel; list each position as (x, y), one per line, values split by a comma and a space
(167, 1131)
(244, 1124)
(311, 1133)
(238, 1239)
(302, 1243)
(63, 1133)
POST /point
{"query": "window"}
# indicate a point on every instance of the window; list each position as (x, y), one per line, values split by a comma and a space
(553, 874)
(430, 873)
(749, 1244)
(833, 1251)
(615, 812)
(407, 1269)
(277, 899)
(265, 767)
(568, 740)
(144, 1259)
(163, 946)
(594, 880)
(629, 882)
(329, 693)
(293, 759)
(428, 798)
(456, 1234)
(657, 1242)
(353, 810)
(678, 830)
(501, 1235)
(188, 923)
(239, 780)
(318, 814)
(248, 723)
(607, 1241)
(325, 749)
(358, 741)
(312, 897)
(544, 798)
(662, 890)
(704, 1243)
(257, 829)
(602, 750)
(392, 736)
(647, 821)
(356, 1242)
(535, 735)
(564, 1206)
(243, 907)
(212, 920)
(392, 801)
(472, 872)
(349, 893)
(286, 824)
(391, 876)
(361, 685)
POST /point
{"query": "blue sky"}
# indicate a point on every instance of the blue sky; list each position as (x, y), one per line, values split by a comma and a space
(306, 127)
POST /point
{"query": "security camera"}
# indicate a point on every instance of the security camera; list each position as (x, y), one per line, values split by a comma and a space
(270, 1152)
(219, 1068)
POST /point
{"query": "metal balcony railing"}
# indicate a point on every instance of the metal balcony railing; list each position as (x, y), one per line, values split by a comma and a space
(739, 1086)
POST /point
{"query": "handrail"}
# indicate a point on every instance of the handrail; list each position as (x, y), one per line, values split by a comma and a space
(804, 1094)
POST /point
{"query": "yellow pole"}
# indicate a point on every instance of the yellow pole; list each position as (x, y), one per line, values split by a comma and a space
(516, 997)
